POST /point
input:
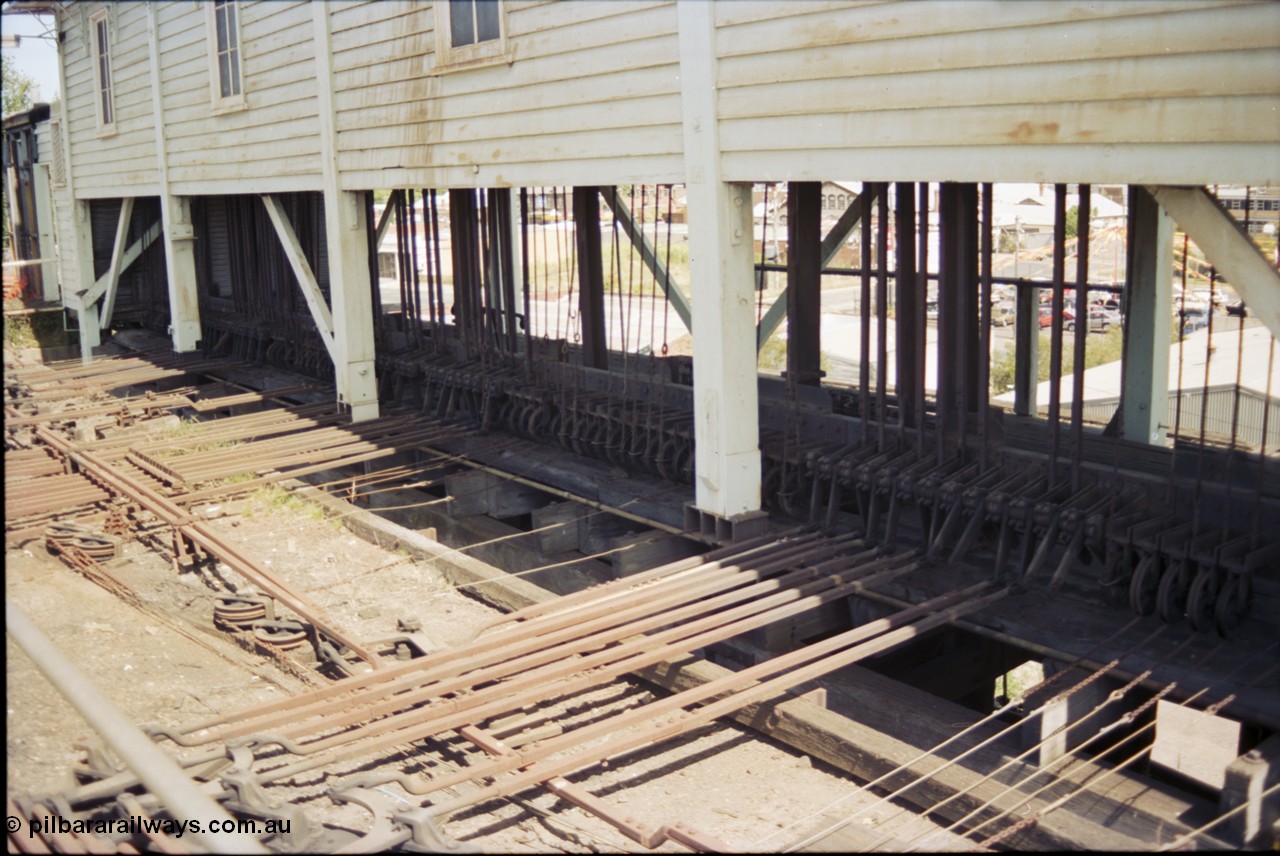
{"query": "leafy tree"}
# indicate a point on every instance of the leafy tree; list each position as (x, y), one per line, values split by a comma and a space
(16, 86)
(1073, 221)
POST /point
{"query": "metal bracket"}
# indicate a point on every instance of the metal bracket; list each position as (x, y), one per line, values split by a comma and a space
(427, 837)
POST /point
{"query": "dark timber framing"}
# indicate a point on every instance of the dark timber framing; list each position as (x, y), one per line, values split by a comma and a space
(804, 282)
(586, 214)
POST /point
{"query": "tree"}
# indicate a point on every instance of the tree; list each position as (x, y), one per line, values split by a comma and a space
(16, 86)
(1073, 221)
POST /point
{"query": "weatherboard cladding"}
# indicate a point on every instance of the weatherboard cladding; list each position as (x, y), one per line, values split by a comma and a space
(124, 162)
(1127, 91)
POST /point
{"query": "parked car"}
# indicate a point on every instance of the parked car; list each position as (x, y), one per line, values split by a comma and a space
(1101, 319)
(1238, 309)
(1194, 319)
(1002, 314)
(1068, 316)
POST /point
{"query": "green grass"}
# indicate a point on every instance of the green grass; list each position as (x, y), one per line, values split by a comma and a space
(1098, 350)
(186, 429)
(272, 500)
(773, 356)
(1020, 679)
(41, 330)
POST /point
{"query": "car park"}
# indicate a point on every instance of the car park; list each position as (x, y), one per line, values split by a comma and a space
(1003, 313)
(1101, 320)
(1068, 316)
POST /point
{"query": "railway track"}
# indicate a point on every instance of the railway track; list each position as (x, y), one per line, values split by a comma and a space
(506, 693)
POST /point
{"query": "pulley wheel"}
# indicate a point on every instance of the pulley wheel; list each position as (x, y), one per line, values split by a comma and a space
(1171, 600)
(1144, 585)
(1233, 605)
(1202, 600)
(285, 635)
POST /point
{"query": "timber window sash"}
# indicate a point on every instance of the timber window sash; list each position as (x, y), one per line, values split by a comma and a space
(100, 36)
(470, 34)
(226, 80)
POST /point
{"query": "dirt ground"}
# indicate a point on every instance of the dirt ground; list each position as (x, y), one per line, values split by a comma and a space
(169, 665)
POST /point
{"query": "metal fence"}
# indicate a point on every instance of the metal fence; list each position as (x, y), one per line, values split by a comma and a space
(1223, 406)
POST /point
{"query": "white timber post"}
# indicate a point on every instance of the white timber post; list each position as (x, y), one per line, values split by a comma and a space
(1149, 296)
(44, 225)
(346, 232)
(175, 219)
(79, 244)
(86, 311)
(726, 419)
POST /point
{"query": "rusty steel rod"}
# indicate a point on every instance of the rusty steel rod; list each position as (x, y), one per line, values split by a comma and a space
(211, 541)
(806, 664)
(515, 649)
(789, 664)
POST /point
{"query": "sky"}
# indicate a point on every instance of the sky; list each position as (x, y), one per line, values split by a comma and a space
(35, 57)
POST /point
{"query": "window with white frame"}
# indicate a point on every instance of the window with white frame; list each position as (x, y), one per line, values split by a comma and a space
(100, 31)
(225, 81)
(470, 33)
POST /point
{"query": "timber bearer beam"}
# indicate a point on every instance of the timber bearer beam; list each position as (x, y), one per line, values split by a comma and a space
(302, 271)
(831, 245)
(1226, 246)
(649, 256)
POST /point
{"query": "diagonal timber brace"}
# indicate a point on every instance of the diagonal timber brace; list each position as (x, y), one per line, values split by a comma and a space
(1224, 244)
(106, 286)
(302, 270)
(388, 210)
(649, 255)
(830, 246)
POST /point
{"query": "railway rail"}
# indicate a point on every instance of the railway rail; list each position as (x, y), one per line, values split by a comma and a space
(546, 656)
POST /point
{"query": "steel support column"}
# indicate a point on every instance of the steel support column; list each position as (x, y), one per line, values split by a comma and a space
(804, 282)
(1026, 343)
(908, 301)
(586, 218)
(1144, 387)
(957, 305)
(464, 231)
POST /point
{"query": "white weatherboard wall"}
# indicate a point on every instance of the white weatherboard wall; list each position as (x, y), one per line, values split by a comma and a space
(1121, 91)
(123, 163)
(1128, 91)
(271, 146)
(591, 96)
